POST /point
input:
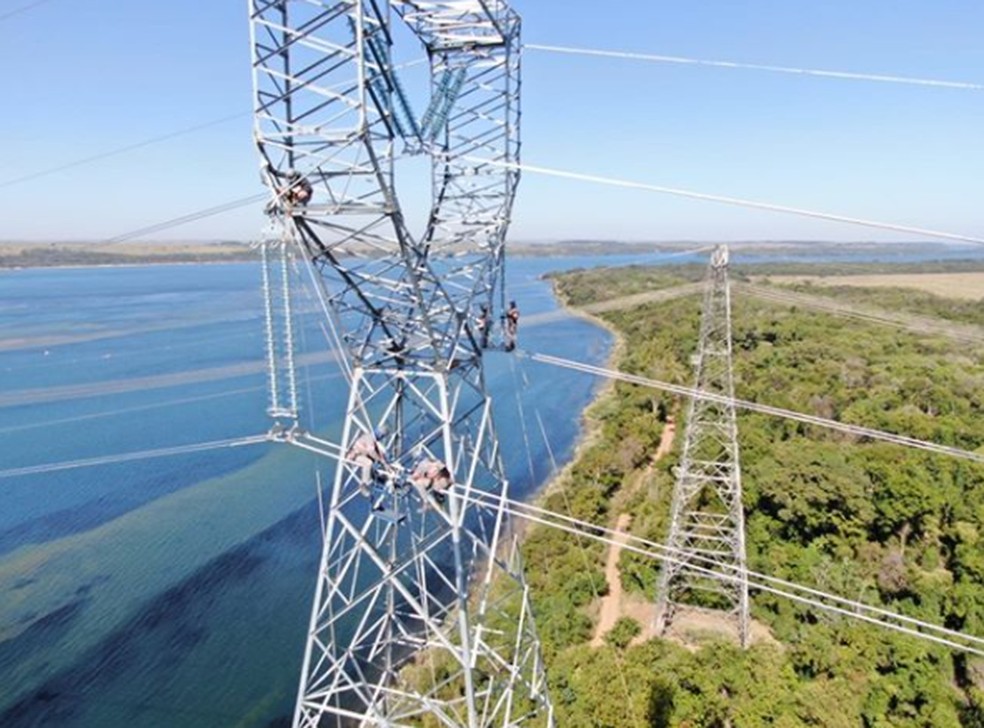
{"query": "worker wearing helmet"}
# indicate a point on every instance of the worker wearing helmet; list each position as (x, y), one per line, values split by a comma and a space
(483, 324)
(299, 190)
(512, 325)
(293, 190)
(431, 476)
(369, 454)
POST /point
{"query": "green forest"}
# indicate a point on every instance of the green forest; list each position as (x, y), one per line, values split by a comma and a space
(868, 520)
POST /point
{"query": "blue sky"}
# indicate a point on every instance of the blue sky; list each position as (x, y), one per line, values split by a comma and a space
(85, 76)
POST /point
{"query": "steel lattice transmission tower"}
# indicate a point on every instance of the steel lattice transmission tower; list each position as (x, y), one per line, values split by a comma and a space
(707, 523)
(421, 615)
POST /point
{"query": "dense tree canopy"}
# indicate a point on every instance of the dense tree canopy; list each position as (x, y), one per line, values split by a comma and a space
(868, 520)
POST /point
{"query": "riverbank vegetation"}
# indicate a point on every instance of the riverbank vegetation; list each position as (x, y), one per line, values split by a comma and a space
(867, 520)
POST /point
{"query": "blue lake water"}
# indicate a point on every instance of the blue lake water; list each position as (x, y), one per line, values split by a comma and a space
(176, 591)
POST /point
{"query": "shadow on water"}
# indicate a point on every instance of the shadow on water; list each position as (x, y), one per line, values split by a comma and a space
(45, 632)
(127, 497)
(156, 641)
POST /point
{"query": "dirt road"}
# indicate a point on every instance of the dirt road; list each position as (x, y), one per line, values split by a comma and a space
(613, 604)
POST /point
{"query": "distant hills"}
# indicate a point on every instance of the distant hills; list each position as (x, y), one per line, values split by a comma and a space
(14, 254)
(58, 254)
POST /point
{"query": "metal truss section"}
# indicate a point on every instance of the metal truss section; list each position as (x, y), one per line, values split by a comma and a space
(421, 615)
(421, 607)
(328, 114)
(707, 523)
(475, 70)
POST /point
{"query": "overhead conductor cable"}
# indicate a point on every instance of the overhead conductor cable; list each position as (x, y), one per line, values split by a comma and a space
(737, 201)
(680, 60)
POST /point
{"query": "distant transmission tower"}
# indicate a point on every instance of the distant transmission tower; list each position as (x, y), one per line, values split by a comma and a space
(707, 524)
(421, 615)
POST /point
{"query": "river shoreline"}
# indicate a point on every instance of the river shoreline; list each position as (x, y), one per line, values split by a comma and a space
(30, 256)
(588, 429)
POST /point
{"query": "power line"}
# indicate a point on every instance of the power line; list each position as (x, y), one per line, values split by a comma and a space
(809, 596)
(611, 181)
(305, 361)
(128, 410)
(678, 192)
(148, 141)
(660, 551)
(739, 202)
(856, 430)
(122, 150)
(780, 587)
(790, 590)
(909, 322)
(185, 219)
(848, 75)
(23, 8)
(806, 595)
(132, 456)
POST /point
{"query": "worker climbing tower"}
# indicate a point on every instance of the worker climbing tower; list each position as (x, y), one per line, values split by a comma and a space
(421, 614)
(707, 524)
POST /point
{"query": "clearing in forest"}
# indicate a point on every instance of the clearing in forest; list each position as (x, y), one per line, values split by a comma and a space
(966, 286)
